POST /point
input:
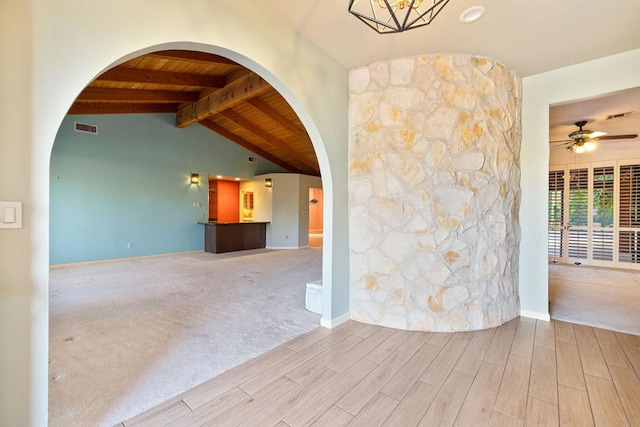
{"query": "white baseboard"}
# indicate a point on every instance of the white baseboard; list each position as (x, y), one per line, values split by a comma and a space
(332, 323)
(535, 315)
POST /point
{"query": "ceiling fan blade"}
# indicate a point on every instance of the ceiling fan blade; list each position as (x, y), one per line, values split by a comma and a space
(564, 140)
(561, 145)
(604, 137)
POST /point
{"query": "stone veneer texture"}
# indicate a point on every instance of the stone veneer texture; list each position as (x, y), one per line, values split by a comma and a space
(434, 193)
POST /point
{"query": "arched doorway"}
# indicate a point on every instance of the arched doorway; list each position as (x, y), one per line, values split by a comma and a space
(60, 209)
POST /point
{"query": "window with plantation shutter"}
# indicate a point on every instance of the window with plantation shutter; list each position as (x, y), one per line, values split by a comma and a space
(629, 215)
(602, 213)
(556, 215)
(594, 214)
(578, 221)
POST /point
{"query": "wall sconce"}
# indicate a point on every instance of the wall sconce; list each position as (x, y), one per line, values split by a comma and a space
(268, 182)
(195, 178)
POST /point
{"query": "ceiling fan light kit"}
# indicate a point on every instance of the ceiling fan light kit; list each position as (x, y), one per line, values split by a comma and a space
(581, 147)
(396, 16)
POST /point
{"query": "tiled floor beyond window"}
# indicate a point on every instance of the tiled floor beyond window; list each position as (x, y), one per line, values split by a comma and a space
(525, 372)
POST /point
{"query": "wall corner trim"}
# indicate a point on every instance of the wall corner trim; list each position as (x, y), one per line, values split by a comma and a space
(536, 315)
(336, 321)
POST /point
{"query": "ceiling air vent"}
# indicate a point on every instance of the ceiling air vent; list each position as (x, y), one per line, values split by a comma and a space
(85, 127)
(252, 159)
(619, 115)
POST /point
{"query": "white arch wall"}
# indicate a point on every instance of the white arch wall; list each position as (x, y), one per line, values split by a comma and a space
(586, 80)
(53, 50)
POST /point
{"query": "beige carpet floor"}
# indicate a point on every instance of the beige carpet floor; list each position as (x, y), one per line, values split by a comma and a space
(601, 297)
(127, 335)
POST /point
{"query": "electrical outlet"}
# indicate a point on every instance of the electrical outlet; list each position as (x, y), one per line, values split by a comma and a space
(129, 245)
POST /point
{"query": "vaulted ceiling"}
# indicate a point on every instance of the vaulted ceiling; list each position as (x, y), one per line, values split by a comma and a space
(210, 91)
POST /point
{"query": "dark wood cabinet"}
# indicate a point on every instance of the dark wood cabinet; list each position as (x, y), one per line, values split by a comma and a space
(229, 237)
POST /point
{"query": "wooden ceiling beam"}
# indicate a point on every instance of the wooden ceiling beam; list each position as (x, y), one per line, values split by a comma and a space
(273, 141)
(193, 56)
(278, 118)
(249, 146)
(138, 75)
(113, 108)
(236, 92)
(231, 77)
(101, 94)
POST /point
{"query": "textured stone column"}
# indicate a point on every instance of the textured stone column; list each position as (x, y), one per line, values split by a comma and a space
(434, 190)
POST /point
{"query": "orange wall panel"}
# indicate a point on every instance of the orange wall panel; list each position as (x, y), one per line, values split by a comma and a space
(228, 201)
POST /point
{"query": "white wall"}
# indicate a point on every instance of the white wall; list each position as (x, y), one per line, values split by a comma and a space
(24, 259)
(54, 49)
(285, 217)
(580, 81)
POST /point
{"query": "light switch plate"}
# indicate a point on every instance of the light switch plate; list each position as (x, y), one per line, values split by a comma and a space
(10, 215)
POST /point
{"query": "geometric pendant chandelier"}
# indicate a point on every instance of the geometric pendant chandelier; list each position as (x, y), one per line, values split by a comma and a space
(395, 16)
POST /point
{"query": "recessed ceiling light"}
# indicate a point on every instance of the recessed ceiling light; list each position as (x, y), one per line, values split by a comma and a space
(472, 14)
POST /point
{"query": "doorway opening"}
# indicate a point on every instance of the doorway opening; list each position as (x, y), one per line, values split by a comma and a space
(316, 223)
(125, 195)
(594, 212)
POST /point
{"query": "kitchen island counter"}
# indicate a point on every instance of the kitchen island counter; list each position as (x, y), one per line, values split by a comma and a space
(220, 237)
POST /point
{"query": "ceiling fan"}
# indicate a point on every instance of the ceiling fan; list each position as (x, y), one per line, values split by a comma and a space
(582, 139)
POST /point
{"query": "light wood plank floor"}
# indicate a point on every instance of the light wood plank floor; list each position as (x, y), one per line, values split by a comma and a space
(525, 372)
(595, 296)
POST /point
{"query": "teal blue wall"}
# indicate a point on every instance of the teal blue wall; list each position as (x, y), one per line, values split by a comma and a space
(129, 183)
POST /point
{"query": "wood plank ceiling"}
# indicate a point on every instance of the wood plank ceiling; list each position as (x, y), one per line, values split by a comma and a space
(211, 91)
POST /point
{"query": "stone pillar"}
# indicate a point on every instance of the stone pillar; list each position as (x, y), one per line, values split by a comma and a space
(434, 191)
